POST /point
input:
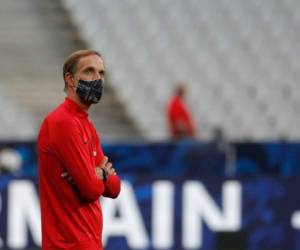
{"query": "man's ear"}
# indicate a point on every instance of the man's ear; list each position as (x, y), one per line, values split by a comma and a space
(69, 80)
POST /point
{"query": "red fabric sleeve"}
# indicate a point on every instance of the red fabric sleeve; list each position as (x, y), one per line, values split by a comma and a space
(74, 154)
(113, 184)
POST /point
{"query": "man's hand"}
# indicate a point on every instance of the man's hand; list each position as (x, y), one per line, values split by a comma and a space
(106, 166)
(109, 169)
(67, 177)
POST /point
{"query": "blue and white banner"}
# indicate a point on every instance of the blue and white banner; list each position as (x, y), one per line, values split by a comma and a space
(174, 196)
(262, 213)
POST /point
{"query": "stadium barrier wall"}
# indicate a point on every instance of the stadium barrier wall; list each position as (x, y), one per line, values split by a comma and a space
(174, 196)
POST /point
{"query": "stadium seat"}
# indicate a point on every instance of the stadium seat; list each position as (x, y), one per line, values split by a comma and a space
(238, 59)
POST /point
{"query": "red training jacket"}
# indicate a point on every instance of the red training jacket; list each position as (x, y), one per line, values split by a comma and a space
(177, 111)
(71, 213)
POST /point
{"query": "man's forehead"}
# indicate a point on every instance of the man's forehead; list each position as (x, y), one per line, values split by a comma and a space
(90, 61)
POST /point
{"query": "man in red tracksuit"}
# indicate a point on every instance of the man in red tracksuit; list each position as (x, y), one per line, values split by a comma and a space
(179, 118)
(73, 171)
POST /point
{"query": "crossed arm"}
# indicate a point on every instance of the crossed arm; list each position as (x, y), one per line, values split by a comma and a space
(75, 157)
(107, 174)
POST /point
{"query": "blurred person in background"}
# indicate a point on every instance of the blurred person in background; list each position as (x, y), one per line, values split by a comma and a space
(181, 124)
(73, 171)
(10, 161)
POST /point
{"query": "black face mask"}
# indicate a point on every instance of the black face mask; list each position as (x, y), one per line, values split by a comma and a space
(90, 91)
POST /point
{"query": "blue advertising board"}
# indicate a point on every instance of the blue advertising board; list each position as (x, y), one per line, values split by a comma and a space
(175, 196)
(260, 212)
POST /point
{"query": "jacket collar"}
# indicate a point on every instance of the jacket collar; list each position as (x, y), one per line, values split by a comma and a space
(74, 108)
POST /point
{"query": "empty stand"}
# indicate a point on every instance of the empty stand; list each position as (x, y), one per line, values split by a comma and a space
(36, 36)
(240, 60)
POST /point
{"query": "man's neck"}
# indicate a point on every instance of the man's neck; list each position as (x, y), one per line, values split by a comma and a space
(80, 103)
